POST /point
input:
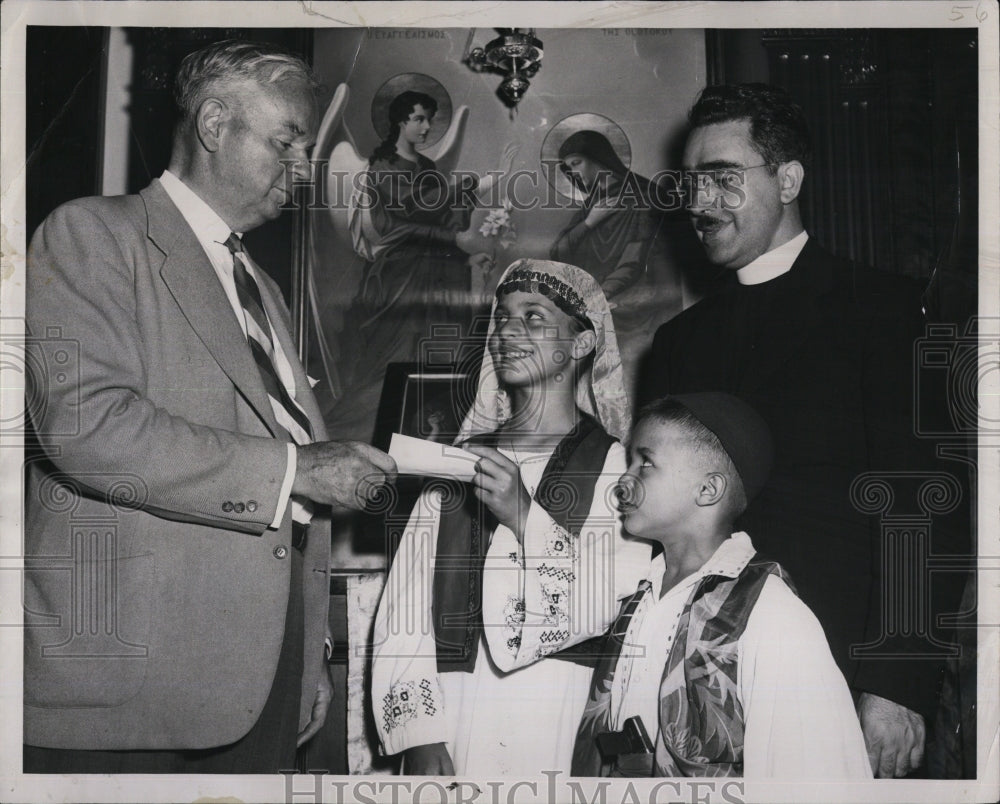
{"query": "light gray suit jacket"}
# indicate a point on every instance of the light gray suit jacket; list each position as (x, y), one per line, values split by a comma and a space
(155, 593)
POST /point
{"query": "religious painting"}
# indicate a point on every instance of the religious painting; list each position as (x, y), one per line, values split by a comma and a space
(432, 185)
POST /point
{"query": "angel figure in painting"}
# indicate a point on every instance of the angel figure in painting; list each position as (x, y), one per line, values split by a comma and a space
(409, 220)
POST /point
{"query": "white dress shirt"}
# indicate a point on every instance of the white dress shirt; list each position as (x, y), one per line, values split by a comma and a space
(212, 232)
(773, 263)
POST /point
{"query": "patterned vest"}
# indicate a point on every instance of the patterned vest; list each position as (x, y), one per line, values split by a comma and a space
(700, 728)
(565, 491)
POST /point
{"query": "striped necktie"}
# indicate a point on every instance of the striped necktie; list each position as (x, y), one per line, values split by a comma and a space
(286, 410)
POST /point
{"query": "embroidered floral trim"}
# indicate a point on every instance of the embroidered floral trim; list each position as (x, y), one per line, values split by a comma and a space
(407, 700)
(553, 638)
(550, 642)
(563, 576)
(427, 697)
(556, 576)
(556, 603)
(559, 544)
(513, 615)
(399, 705)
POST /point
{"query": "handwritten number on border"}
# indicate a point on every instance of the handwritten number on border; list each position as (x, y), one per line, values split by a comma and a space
(958, 13)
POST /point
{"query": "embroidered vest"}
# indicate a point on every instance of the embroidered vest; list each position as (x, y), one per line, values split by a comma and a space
(700, 728)
(565, 491)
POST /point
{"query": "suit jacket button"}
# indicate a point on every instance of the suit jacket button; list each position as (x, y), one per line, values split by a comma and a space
(280, 551)
(227, 506)
(239, 508)
(251, 506)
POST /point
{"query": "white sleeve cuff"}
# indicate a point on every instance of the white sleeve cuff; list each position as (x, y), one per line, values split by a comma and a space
(286, 487)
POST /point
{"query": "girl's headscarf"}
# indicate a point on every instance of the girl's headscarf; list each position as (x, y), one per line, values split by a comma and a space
(600, 390)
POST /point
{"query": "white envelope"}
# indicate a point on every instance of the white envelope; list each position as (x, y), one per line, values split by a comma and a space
(416, 456)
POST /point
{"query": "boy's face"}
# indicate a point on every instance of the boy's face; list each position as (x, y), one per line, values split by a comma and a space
(658, 490)
(533, 341)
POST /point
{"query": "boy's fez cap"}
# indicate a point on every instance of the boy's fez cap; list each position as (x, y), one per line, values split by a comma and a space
(744, 435)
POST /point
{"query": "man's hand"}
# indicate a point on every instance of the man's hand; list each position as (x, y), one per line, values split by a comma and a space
(344, 474)
(321, 705)
(894, 736)
(428, 760)
(498, 484)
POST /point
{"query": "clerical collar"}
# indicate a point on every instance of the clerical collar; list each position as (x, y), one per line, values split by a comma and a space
(773, 263)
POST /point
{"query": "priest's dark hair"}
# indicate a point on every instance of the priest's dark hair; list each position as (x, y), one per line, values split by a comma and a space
(778, 125)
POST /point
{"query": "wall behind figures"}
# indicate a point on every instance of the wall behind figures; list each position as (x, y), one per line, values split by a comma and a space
(62, 117)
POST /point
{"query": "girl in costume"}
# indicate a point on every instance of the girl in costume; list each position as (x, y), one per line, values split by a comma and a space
(481, 580)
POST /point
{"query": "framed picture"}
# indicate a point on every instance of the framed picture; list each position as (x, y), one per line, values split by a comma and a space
(421, 403)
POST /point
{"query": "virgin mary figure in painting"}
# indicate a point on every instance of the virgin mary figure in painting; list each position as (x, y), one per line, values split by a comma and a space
(410, 222)
(619, 236)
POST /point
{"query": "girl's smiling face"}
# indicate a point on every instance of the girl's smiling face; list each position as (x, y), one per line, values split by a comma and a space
(534, 342)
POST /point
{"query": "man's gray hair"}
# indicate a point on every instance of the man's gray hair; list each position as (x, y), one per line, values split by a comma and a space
(233, 60)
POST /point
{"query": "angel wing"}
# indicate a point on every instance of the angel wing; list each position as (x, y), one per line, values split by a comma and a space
(336, 152)
(339, 163)
(343, 188)
(331, 123)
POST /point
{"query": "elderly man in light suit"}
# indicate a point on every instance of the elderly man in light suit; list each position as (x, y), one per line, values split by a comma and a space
(177, 525)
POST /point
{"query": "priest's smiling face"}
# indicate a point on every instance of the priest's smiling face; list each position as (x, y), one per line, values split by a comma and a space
(739, 204)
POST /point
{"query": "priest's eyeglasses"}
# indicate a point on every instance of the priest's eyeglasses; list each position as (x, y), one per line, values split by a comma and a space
(726, 178)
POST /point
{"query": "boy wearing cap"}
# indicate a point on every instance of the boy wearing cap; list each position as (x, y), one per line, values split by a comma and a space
(714, 666)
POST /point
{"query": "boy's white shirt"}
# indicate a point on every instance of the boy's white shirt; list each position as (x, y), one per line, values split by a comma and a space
(799, 716)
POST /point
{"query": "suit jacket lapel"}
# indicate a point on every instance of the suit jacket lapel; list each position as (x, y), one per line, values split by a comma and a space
(190, 277)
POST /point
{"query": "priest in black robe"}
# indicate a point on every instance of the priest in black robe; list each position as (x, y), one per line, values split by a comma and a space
(824, 350)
